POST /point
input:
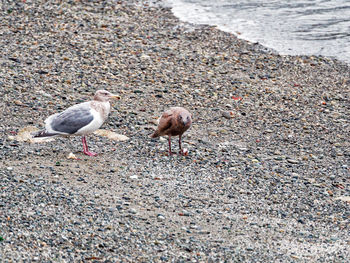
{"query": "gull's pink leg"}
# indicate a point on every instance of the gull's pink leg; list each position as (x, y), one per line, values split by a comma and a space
(86, 149)
(84, 143)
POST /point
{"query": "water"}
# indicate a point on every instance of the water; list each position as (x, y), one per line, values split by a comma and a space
(296, 27)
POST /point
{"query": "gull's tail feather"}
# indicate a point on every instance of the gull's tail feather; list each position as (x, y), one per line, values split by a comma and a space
(43, 133)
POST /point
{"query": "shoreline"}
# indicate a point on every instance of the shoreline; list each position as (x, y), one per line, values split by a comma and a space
(240, 32)
(264, 173)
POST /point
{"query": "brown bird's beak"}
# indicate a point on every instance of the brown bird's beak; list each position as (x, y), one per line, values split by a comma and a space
(185, 121)
(115, 97)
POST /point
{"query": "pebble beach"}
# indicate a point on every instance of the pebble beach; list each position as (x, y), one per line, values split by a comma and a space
(266, 178)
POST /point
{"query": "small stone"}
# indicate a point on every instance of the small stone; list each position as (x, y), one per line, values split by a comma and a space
(295, 175)
(223, 131)
(132, 211)
(227, 114)
(160, 217)
(244, 149)
(145, 57)
(292, 161)
(18, 102)
(163, 139)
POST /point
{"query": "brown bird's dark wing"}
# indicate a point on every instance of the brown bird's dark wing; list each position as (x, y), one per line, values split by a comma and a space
(165, 123)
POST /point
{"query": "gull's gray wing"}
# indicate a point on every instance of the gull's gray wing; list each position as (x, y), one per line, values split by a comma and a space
(72, 119)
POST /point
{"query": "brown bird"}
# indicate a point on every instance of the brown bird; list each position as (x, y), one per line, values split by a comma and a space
(80, 119)
(173, 122)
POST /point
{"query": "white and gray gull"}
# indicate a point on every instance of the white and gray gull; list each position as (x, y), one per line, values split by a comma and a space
(80, 119)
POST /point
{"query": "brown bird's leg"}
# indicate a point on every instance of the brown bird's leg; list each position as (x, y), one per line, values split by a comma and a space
(169, 141)
(180, 152)
(86, 149)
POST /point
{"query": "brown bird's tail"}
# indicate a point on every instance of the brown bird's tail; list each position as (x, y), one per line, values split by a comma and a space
(43, 133)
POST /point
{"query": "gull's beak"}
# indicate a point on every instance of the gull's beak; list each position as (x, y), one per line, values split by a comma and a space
(115, 97)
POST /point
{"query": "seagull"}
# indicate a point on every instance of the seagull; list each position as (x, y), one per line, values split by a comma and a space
(80, 119)
(173, 122)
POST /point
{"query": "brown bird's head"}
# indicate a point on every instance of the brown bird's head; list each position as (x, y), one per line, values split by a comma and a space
(104, 95)
(185, 118)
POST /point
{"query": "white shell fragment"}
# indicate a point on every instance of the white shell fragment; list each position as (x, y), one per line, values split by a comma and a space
(72, 156)
(185, 151)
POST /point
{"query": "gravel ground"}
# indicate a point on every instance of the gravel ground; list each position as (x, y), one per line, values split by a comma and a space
(267, 175)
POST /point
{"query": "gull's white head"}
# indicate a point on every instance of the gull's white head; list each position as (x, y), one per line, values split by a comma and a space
(104, 95)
